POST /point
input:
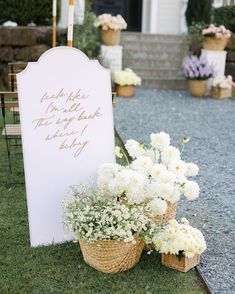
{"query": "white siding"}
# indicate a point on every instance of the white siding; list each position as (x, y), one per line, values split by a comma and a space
(168, 17)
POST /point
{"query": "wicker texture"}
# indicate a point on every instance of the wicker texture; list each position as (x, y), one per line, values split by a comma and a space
(215, 44)
(111, 256)
(110, 37)
(125, 91)
(162, 220)
(170, 214)
(220, 93)
(184, 264)
(197, 88)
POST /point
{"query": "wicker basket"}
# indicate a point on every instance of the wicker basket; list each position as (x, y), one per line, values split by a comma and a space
(220, 93)
(125, 91)
(182, 264)
(111, 256)
(170, 214)
(197, 88)
(163, 220)
(214, 44)
(110, 37)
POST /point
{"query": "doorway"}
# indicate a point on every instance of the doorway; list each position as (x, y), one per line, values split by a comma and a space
(131, 10)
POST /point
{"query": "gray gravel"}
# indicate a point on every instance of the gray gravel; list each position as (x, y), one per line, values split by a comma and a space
(211, 126)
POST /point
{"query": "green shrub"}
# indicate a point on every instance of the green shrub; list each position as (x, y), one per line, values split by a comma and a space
(86, 36)
(225, 16)
(198, 11)
(25, 11)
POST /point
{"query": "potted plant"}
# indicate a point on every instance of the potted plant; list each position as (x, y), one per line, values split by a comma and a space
(215, 38)
(180, 245)
(108, 230)
(155, 177)
(110, 28)
(197, 71)
(125, 82)
(222, 87)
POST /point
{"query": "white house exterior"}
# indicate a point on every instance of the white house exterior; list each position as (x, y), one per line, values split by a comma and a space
(168, 16)
(157, 16)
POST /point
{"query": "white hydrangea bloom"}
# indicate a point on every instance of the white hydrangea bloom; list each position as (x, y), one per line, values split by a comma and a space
(175, 196)
(135, 190)
(178, 167)
(166, 177)
(191, 190)
(157, 206)
(192, 170)
(134, 148)
(170, 154)
(152, 154)
(156, 170)
(142, 164)
(165, 191)
(160, 140)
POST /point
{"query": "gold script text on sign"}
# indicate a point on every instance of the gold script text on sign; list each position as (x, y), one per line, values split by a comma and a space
(67, 120)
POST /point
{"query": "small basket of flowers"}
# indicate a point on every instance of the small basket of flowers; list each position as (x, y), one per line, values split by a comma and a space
(222, 87)
(215, 38)
(197, 71)
(125, 82)
(109, 231)
(180, 245)
(111, 27)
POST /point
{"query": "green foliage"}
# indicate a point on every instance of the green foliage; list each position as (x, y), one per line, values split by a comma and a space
(198, 11)
(225, 16)
(86, 36)
(25, 11)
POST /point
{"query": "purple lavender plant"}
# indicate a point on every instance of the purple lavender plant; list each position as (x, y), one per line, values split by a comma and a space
(195, 68)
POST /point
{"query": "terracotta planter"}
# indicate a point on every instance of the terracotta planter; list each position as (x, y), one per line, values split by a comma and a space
(182, 264)
(220, 93)
(214, 44)
(111, 256)
(125, 91)
(110, 37)
(197, 88)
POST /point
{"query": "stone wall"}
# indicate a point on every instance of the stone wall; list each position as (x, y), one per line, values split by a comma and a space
(24, 44)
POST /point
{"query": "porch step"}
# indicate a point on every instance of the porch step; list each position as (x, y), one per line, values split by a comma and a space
(172, 83)
(156, 58)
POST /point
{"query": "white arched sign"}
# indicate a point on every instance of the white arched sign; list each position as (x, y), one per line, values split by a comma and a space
(67, 132)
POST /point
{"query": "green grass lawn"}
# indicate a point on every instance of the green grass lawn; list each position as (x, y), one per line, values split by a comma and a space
(60, 268)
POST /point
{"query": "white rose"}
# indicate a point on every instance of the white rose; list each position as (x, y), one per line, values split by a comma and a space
(191, 190)
(160, 140)
(192, 170)
(157, 206)
(170, 154)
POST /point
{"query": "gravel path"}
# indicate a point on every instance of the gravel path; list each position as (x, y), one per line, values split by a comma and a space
(210, 124)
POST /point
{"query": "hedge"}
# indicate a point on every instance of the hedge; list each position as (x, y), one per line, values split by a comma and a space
(26, 11)
(198, 11)
(225, 16)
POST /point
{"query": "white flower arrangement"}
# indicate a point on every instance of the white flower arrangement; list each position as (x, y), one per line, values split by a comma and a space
(94, 218)
(156, 175)
(223, 82)
(126, 78)
(179, 238)
(107, 21)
